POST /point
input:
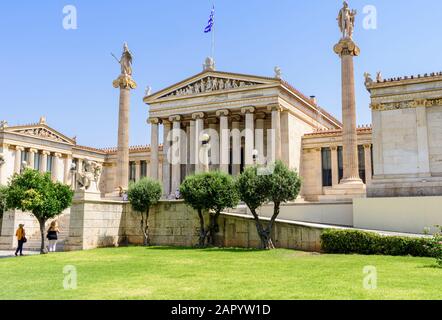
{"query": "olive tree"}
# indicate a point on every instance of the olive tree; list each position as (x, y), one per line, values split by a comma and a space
(212, 192)
(142, 196)
(35, 192)
(256, 187)
(3, 196)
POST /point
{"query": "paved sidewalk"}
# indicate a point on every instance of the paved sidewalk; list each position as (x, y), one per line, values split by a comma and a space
(10, 254)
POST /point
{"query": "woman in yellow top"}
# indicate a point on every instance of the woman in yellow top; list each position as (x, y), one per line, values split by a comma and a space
(21, 238)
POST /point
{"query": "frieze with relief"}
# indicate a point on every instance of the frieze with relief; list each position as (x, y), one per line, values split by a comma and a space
(406, 104)
(210, 84)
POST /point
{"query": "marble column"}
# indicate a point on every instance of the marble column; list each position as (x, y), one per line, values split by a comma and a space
(236, 145)
(259, 137)
(176, 153)
(334, 165)
(224, 144)
(137, 170)
(79, 165)
(192, 153)
(199, 127)
(368, 165)
(274, 135)
(249, 135)
(166, 158)
(154, 159)
(347, 49)
(44, 161)
(56, 167)
(214, 144)
(67, 169)
(31, 161)
(125, 84)
(17, 164)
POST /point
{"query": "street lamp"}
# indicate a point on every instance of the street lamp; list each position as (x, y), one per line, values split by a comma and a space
(205, 138)
(255, 154)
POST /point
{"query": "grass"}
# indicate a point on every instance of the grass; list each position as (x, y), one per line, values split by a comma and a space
(182, 274)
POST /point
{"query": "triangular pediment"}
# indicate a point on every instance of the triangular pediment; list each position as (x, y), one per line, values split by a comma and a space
(40, 131)
(210, 82)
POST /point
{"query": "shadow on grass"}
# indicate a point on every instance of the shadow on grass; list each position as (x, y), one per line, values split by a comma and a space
(431, 266)
(210, 249)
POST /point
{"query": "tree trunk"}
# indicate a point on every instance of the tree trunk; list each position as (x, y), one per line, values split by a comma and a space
(264, 234)
(203, 233)
(213, 228)
(42, 223)
(145, 228)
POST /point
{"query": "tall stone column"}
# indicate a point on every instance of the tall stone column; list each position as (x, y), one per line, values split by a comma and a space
(274, 151)
(67, 169)
(31, 160)
(17, 162)
(154, 159)
(199, 127)
(44, 161)
(214, 144)
(249, 134)
(368, 164)
(125, 84)
(335, 165)
(224, 143)
(176, 153)
(192, 153)
(56, 167)
(259, 137)
(166, 161)
(236, 145)
(137, 170)
(347, 49)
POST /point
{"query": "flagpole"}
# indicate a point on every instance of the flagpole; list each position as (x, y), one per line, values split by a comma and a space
(213, 33)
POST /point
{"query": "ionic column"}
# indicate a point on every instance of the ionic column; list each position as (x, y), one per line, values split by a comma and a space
(79, 165)
(166, 158)
(368, 165)
(334, 165)
(199, 127)
(224, 145)
(67, 169)
(154, 160)
(249, 134)
(347, 49)
(236, 145)
(44, 161)
(259, 137)
(31, 161)
(17, 163)
(137, 170)
(56, 166)
(274, 138)
(214, 144)
(192, 153)
(176, 154)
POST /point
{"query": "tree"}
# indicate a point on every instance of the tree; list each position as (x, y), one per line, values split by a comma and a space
(3, 196)
(212, 192)
(35, 192)
(256, 187)
(142, 196)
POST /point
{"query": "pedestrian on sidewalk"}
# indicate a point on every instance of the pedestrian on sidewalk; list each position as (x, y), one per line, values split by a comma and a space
(21, 239)
(52, 236)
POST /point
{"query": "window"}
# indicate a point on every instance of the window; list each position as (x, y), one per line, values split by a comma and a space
(132, 171)
(37, 160)
(143, 168)
(361, 161)
(326, 167)
(340, 164)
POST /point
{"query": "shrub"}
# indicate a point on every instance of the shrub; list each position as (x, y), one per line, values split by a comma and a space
(437, 246)
(369, 243)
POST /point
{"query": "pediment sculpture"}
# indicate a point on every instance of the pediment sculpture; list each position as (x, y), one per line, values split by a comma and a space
(210, 84)
(42, 133)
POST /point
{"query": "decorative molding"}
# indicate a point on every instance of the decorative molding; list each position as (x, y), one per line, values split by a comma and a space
(210, 84)
(406, 104)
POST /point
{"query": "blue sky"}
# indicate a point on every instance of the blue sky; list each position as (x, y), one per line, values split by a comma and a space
(67, 75)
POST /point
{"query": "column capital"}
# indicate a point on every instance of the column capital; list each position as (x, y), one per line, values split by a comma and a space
(367, 146)
(58, 155)
(32, 150)
(222, 113)
(235, 118)
(249, 109)
(346, 47)
(274, 107)
(124, 82)
(46, 153)
(19, 148)
(175, 118)
(260, 116)
(334, 148)
(153, 121)
(198, 115)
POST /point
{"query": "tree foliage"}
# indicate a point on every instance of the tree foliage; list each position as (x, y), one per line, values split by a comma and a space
(257, 186)
(3, 196)
(212, 192)
(35, 192)
(142, 196)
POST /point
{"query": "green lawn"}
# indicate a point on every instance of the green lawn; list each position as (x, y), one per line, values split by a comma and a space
(178, 273)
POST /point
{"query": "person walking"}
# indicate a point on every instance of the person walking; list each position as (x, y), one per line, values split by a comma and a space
(52, 236)
(21, 239)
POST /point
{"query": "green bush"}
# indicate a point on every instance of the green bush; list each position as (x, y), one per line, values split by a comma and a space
(360, 242)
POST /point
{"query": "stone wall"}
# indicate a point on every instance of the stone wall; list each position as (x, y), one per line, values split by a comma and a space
(172, 223)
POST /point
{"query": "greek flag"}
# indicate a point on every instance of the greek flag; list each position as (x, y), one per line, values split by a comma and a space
(211, 21)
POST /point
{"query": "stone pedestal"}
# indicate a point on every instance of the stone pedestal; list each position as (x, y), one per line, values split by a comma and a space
(125, 83)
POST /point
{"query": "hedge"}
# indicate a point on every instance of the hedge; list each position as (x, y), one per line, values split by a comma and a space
(369, 243)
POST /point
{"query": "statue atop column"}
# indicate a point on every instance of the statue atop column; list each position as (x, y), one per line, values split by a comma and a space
(125, 79)
(346, 21)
